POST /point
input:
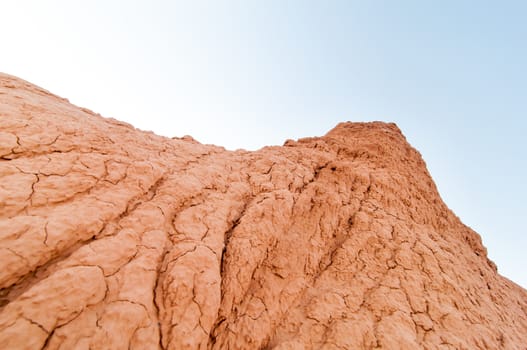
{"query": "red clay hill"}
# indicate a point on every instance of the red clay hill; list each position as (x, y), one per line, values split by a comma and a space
(115, 238)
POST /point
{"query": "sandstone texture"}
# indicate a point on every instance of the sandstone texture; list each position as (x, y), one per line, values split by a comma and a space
(115, 238)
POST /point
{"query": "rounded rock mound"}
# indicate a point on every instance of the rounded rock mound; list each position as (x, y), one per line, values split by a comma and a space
(114, 238)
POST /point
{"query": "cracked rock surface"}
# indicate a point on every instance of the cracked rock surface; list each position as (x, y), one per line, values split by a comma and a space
(115, 238)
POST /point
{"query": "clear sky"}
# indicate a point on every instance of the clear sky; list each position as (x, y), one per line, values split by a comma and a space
(244, 74)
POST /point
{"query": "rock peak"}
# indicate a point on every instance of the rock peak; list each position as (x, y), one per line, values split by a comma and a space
(378, 125)
(111, 237)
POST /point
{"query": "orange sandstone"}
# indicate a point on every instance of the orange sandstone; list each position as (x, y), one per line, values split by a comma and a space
(115, 238)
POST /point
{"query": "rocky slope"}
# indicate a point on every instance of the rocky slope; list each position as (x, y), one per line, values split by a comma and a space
(114, 238)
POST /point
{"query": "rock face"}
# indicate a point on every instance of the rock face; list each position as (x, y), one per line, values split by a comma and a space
(115, 238)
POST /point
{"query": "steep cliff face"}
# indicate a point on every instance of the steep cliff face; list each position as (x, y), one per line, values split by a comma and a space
(114, 238)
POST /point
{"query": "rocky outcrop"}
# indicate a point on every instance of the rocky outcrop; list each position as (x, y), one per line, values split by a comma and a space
(115, 238)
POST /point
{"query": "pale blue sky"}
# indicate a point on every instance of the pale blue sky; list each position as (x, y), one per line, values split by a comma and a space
(244, 74)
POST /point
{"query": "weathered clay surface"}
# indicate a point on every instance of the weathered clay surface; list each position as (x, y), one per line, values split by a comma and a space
(114, 238)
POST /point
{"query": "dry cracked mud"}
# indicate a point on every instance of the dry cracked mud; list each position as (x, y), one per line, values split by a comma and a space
(115, 238)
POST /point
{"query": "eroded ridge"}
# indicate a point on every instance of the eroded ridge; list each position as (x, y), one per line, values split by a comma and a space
(115, 238)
